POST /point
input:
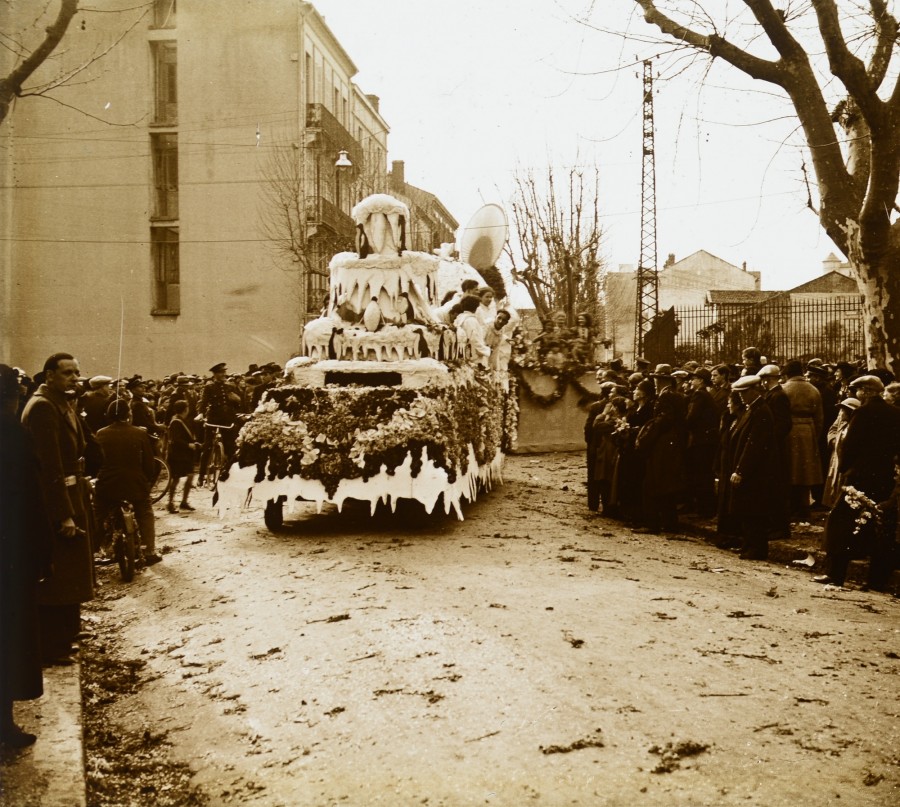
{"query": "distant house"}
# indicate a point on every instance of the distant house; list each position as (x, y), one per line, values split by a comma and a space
(684, 283)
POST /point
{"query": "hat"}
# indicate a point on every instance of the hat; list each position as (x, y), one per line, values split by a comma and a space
(746, 382)
(99, 381)
(870, 382)
(640, 361)
(182, 380)
(617, 365)
(137, 381)
(769, 370)
(850, 403)
(702, 373)
(662, 371)
(817, 369)
(680, 374)
(218, 368)
(814, 363)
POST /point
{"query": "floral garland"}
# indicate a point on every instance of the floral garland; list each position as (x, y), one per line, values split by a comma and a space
(866, 508)
(511, 416)
(334, 433)
(562, 379)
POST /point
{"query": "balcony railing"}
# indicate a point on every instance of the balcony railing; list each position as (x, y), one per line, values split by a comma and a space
(319, 211)
(329, 133)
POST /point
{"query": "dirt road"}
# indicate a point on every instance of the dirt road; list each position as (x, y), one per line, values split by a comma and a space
(533, 654)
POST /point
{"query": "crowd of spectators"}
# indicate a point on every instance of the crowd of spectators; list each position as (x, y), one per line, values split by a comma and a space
(755, 447)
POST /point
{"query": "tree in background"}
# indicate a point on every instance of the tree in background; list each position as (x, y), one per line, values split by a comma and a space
(28, 54)
(558, 238)
(847, 102)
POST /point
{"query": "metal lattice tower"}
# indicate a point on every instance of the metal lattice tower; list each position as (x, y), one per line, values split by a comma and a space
(647, 305)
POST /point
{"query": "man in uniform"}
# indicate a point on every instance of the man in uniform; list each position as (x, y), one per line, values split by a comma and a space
(95, 401)
(60, 443)
(220, 403)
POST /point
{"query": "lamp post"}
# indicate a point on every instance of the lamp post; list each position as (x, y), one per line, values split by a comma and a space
(341, 165)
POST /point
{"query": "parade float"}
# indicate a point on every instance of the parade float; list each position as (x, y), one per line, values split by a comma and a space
(383, 404)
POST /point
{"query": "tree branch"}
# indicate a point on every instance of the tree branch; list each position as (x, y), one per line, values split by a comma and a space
(12, 84)
(715, 45)
(886, 30)
(848, 68)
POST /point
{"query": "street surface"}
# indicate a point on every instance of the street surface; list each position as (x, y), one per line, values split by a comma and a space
(533, 654)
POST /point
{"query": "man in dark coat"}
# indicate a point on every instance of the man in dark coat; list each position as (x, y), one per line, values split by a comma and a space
(25, 540)
(780, 406)
(868, 454)
(662, 443)
(59, 441)
(95, 402)
(703, 439)
(143, 414)
(755, 455)
(127, 474)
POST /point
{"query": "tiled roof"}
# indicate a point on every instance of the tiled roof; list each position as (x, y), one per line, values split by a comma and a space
(739, 296)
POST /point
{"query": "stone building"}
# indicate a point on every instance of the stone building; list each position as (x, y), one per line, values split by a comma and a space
(182, 202)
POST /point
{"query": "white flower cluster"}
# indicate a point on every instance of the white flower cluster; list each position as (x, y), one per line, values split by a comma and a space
(866, 508)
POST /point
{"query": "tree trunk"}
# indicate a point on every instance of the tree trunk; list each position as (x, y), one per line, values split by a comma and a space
(880, 286)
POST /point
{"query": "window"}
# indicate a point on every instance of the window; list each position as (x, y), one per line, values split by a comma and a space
(166, 94)
(166, 274)
(165, 175)
(164, 13)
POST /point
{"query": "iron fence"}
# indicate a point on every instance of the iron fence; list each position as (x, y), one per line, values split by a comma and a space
(781, 327)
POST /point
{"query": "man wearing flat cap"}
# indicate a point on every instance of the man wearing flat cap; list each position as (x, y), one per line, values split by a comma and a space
(869, 452)
(751, 486)
(661, 442)
(220, 403)
(780, 406)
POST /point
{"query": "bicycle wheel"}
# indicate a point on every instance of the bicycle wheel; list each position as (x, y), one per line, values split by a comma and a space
(216, 464)
(163, 479)
(126, 545)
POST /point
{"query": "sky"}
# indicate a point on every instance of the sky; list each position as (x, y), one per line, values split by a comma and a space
(477, 92)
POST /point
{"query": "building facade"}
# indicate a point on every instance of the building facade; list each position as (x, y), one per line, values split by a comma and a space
(178, 206)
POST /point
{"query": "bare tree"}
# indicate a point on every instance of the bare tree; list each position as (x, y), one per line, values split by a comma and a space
(30, 60)
(289, 219)
(851, 126)
(558, 237)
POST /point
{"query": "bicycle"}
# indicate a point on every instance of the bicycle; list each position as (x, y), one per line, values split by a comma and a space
(216, 462)
(121, 525)
(163, 479)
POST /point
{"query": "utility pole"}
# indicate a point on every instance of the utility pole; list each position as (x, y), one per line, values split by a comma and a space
(647, 302)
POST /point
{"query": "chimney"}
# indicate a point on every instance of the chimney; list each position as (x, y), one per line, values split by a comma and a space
(398, 173)
(670, 261)
(374, 100)
(744, 266)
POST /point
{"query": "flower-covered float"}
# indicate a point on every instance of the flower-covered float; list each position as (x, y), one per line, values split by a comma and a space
(383, 404)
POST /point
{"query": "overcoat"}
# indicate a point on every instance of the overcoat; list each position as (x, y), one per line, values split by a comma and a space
(128, 467)
(59, 442)
(25, 540)
(870, 448)
(806, 428)
(755, 457)
(662, 441)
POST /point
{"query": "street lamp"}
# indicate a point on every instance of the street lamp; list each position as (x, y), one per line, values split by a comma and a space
(343, 160)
